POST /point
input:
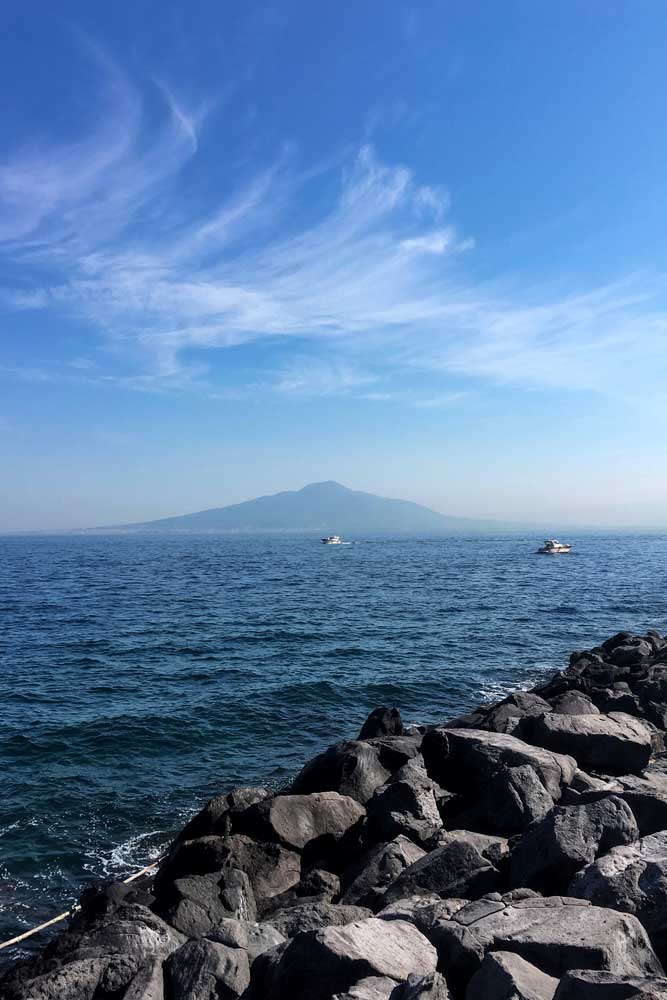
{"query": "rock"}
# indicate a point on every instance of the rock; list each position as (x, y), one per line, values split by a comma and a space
(352, 768)
(218, 814)
(574, 703)
(494, 849)
(421, 910)
(455, 870)
(612, 743)
(569, 837)
(630, 653)
(293, 920)
(372, 988)
(254, 938)
(555, 934)
(206, 970)
(317, 964)
(191, 857)
(320, 883)
(312, 916)
(369, 877)
(406, 805)
(502, 718)
(582, 984)
(515, 798)
(396, 751)
(465, 760)
(272, 869)
(317, 822)
(78, 979)
(506, 976)
(382, 722)
(431, 987)
(195, 905)
(632, 879)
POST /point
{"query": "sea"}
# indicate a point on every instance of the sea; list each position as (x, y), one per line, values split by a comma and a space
(140, 674)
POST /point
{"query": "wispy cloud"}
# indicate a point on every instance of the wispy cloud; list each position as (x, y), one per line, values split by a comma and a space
(375, 276)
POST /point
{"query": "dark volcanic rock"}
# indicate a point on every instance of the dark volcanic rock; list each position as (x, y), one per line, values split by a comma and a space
(272, 869)
(371, 988)
(369, 877)
(382, 722)
(317, 822)
(254, 938)
(195, 905)
(352, 768)
(632, 879)
(574, 703)
(217, 816)
(431, 987)
(582, 984)
(317, 964)
(206, 970)
(312, 916)
(455, 870)
(506, 976)
(569, 837)
(465, 760)
(612, 743)
(554, 934)
(516, 797)
(406, 805)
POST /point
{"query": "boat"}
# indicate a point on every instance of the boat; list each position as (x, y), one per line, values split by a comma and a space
(332, 540)
(552, 547)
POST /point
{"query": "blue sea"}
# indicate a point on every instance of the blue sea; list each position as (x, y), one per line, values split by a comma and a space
(140, 674)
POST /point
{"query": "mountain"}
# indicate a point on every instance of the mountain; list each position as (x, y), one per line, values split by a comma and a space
(328, 508)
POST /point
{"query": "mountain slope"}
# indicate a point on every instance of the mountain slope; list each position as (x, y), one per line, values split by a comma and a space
(325, 507)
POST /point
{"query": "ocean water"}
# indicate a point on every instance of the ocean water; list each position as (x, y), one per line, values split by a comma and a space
(139, 675)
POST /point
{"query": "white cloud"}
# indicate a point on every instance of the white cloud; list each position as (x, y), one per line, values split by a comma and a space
(372, 276)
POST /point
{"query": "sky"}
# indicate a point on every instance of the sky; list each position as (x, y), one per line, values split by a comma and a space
(415, 246)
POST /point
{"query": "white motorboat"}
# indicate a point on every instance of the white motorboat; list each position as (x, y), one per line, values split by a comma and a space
(552, 547)
(332, 540)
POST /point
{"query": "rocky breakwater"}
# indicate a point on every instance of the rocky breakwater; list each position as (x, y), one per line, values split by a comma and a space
(517, 852)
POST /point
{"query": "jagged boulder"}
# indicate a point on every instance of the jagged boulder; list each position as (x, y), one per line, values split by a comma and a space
(206, 970)
(382, 722)
(455, 870)
(584, 984)
(293, 920)
(567, 839)
(611, 743)
(351, 768)
(253, 937)
(317, 964)
(555, 934)
(465, 760)
(314, 823)
(371, 988)
(632, 879)
(369, 877)
(431, 987)
(506, 976)
(495, 849)
(574, 703)
(195, 905)
(218, 815)
(406, 805)
(272, 869)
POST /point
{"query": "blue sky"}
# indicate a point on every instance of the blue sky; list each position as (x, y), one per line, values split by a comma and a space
(417, 247)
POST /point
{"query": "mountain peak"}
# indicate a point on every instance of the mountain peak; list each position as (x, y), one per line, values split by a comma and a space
(328, 486)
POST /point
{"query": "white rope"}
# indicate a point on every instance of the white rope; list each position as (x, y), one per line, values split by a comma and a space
(74, 909)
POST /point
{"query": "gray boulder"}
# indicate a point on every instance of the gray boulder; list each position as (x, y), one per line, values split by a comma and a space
(555, 934)
(195, 905)
(611, 743)
(254, 938)
(455, 870)
(271, 868)
(567, 839)
(371, 988)
(370, 876)
(495, 849)
(217, 816)
(206, 970)
(515, 798)
(632, 879)
(465, 760)
(583, 984)
(318, 964)
(406, 805)
(318, 821)
(431, 987)
(294, 920)
(574, 703)
(352, 768)
(382, 722)
(506, 976)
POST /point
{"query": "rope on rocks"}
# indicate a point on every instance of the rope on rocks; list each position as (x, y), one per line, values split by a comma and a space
(73, 909)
